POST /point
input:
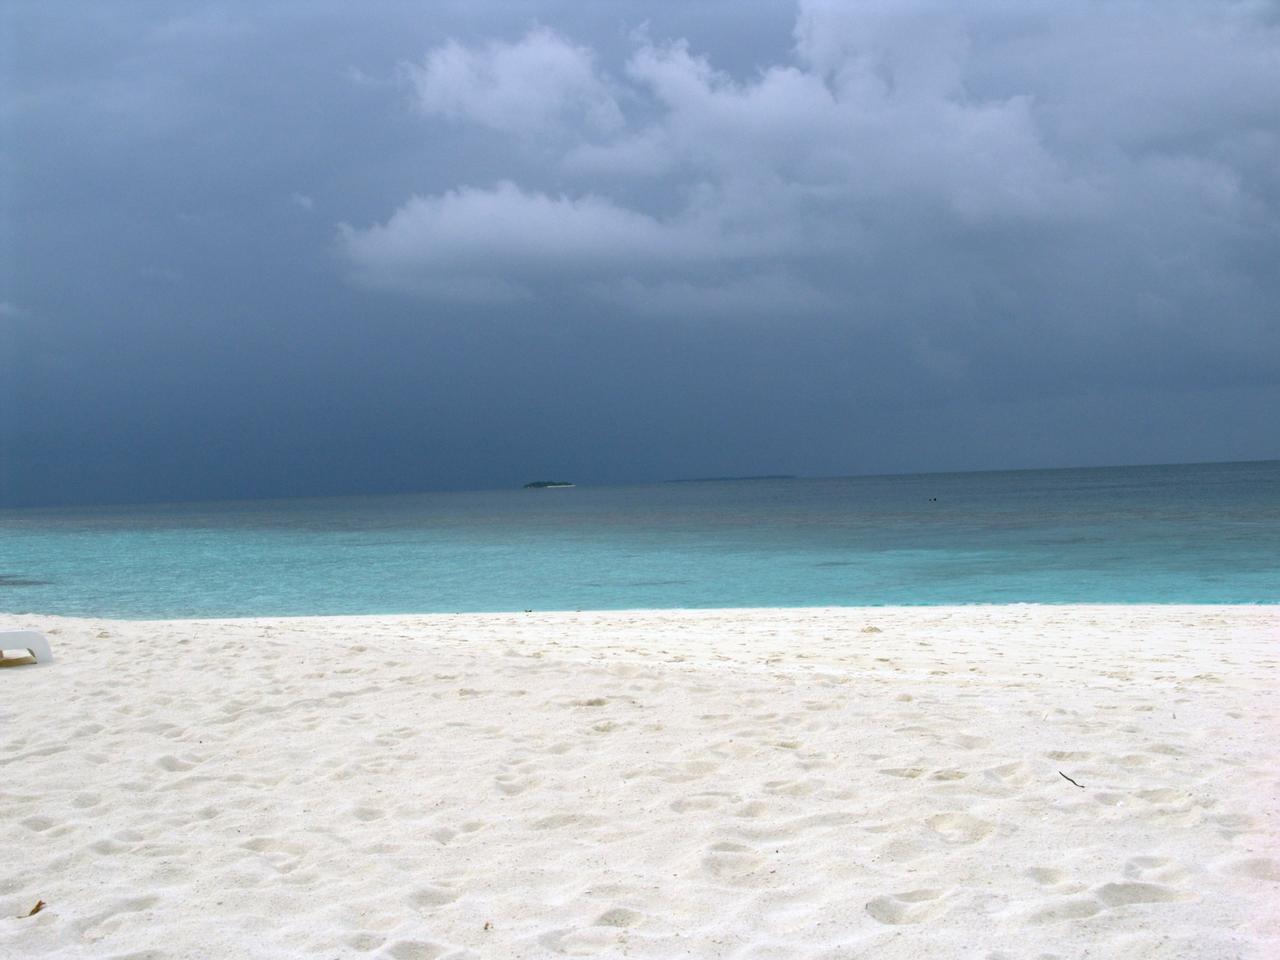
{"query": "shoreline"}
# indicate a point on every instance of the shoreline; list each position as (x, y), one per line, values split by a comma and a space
(763, 782)
(9, 617)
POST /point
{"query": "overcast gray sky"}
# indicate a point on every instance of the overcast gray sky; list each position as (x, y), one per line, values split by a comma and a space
(316, 247)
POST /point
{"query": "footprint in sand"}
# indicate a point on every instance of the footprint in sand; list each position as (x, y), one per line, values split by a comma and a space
(792, 788)
(364, 941)
(1134, 760)
(512, 784)
(120, 913)
(173, 764)
(1164, 795)
(599, 939)
(884, 826)
(1077, 909)
(900, 850)
(699, 801)
(687, 771)
(1014, 774)
(1124, 894)
(415, 950)
(558, 821)
(282, 855)
(436, 895)
(619, 917)
(731, 861)
(1120, 895)
(1158, 869)
(1234, 824)
(107, 848)
(959, 828)
(1047, 876)
(1254, 868)
(911, 906)
(1109, 799)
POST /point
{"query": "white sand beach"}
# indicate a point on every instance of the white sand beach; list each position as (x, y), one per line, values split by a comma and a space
(836, 783)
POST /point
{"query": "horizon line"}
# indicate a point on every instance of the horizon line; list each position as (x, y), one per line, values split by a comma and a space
(775, 477)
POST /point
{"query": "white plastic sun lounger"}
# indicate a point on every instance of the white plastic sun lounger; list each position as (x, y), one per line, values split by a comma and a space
(33, 643)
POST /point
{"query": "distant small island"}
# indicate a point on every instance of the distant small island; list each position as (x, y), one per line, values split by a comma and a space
(547, 484)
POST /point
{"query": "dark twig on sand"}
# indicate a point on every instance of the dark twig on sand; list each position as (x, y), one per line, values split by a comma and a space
(1069, 780)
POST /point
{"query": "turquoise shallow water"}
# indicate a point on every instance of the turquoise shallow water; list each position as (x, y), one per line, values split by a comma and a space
(1206, 533)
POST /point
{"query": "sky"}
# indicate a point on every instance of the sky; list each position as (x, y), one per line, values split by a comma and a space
(314, 247)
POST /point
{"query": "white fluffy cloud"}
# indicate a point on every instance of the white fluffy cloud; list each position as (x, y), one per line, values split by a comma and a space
(849, 139)
(527, 87)
(1083, 145)
(513, 242)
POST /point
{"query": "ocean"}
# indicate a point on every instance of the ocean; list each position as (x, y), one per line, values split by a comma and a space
(1196, 533)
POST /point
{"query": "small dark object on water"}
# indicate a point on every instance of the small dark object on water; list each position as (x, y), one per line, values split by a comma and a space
(1069, 780)
(17, 580)
(40, 905)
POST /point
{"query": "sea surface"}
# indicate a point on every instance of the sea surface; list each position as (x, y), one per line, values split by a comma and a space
(1200, 533)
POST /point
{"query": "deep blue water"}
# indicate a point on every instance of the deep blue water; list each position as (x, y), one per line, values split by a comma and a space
(1203, 533)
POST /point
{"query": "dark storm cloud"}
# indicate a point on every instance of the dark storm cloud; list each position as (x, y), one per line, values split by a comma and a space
(1095, 171)
(305, 247)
